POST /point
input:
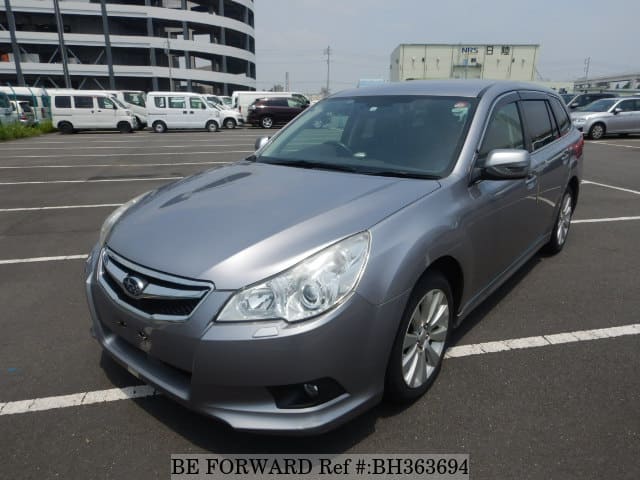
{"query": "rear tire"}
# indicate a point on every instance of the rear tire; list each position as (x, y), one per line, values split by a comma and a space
(597, 131)
(230, 123)
(563, 223)
(266, 122)
(212, 126)
(421, 340)
(125, 127)
(159, 127)
(65, 128)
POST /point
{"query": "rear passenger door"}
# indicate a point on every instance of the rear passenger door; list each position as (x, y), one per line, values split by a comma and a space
(550, 153)
(177, 113)
(83, 112)
(627, 120)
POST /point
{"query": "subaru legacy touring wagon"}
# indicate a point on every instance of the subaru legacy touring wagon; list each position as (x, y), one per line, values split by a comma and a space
(293, 289)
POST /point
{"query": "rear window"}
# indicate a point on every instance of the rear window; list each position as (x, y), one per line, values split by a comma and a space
(541, 131)
(160, 102)
(63, 102)
(83, 102)
(564, 123)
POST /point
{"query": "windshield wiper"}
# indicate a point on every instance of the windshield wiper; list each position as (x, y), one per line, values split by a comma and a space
(313, 165)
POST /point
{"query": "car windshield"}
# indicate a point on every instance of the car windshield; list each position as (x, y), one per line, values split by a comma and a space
(602, 105)
(135, 98)
(118, 102)
(412, 136)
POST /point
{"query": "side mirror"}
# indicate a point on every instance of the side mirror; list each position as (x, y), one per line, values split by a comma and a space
(260, 142)
(617, 110)
(506, 165)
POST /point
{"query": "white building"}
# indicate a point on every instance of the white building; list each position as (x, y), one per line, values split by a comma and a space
(200, 45)
(444, 61)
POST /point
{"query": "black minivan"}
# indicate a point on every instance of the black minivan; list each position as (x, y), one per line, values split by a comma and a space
(268, 112)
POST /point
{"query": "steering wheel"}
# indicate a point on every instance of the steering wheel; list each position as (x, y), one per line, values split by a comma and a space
(345, 150)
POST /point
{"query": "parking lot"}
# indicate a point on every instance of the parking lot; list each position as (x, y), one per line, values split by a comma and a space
(534, 408)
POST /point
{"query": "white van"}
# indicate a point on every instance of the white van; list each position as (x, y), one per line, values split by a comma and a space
(243, 98)
(179, 110)
(7, 114)
(38, 99)
(135, 101)
(74, 110)
(230, 118)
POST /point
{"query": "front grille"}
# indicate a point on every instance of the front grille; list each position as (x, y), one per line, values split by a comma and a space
(163, 297)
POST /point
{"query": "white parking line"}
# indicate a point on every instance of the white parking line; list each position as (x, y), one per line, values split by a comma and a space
(60, 207)
(141, 391)
(598, 220)
(614, 144)
(102, 180)
(42, 259)
(105, 165)
(628, 190)
(147, 154)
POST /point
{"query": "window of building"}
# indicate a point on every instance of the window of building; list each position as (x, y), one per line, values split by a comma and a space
(490, 50)
(161, 102)
(83, 102)
(177, 102)
(505, 50)
(504, 130)
(541, 130)
(63, 102)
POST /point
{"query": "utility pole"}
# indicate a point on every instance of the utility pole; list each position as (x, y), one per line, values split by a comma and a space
(327, 52)
(287, 88)
(587, 64)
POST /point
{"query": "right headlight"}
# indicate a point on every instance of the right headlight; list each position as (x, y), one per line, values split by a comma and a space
(310, 288)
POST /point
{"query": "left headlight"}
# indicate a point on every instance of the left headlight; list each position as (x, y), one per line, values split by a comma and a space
(115, 216)
(310, 288)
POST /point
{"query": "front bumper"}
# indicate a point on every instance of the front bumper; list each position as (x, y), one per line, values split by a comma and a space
(228, 370)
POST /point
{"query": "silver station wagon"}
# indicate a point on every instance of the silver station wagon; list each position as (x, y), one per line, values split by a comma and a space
(608, 116)
(293, 289)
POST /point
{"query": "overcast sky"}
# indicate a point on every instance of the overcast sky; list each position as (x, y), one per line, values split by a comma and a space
(291, 35)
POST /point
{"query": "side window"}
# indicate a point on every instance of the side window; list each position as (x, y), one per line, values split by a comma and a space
(177, 102)
(83, 102)
(504, 130)
(160, 102)
(293, 103)
(106, 103)
(196, 102)
(63, 102)
(627, 105)
(281, 102)
(564, 123)
(541, 131)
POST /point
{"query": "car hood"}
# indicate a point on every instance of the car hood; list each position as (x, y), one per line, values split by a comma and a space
(589, 115)
(244, 222)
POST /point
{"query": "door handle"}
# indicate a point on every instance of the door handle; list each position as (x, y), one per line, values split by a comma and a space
(191, 112)
(184, 112)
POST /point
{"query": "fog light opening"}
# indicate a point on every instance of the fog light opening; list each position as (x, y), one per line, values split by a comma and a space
(307, 394)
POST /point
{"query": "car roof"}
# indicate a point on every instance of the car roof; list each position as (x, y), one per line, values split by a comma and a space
(444, 88)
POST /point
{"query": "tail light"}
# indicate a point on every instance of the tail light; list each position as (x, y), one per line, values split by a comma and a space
(578, 147)
(23, 116)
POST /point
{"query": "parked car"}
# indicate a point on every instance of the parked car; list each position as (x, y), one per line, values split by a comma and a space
(37, 98)
(608, 116)
(74, 110)
(135, 101)
(230, 118)
(243, 99)
(25, 113)
(269, 112)
(288, 291)
(221, 101)
(583, 99)
(181, 110)
(7, 114)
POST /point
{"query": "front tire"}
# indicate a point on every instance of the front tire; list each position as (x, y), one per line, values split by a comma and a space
(212, 126)
(597, 131)
(125, 127)
(230, 123)
(562, 225)
(65, 128)
(421, 340)
(266, 122)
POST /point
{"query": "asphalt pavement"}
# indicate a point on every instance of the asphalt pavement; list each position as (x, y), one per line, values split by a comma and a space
(553, 411)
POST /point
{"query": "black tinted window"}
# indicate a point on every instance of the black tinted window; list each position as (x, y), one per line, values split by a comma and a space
(63, 102)
(562, 119)
(627, 105)
(280, 102)
(541, 131)
(504, 130)
(83, 102)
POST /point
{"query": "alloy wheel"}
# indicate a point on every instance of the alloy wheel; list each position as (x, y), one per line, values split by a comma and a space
(564, 219)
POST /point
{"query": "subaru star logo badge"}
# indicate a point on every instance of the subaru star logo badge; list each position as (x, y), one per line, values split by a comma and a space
(133, 286)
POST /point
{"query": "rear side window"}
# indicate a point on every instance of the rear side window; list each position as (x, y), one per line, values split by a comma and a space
(562, 119)
(627, 105)
(160, 102)
(197, 103)
(177, 102)
(282, 102)
(504, 130)
(63, 102)
(541, 130)
(83, 102)
(293, 103)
